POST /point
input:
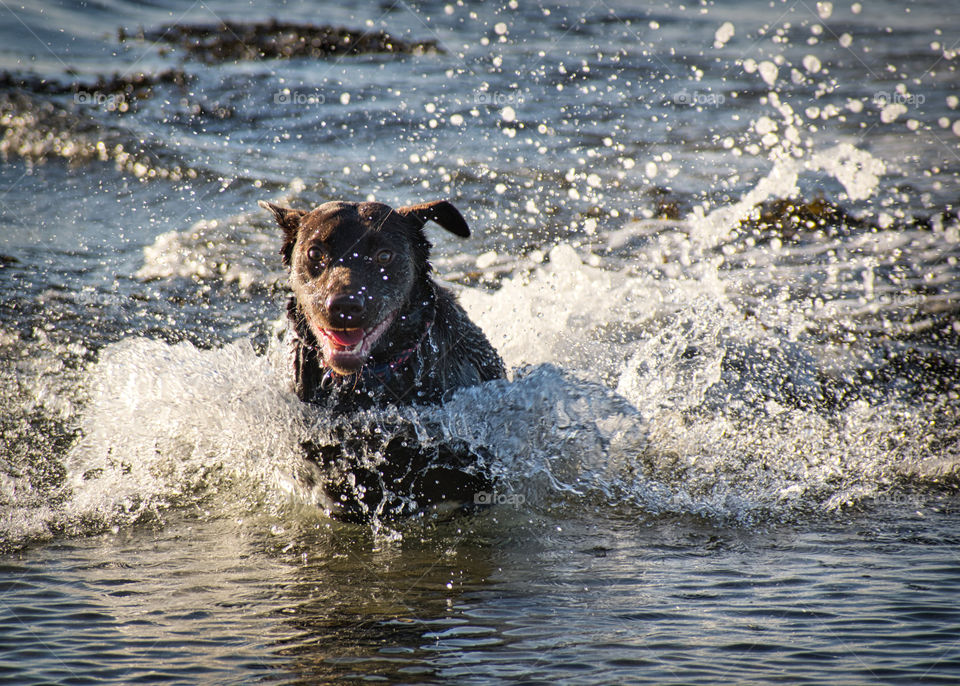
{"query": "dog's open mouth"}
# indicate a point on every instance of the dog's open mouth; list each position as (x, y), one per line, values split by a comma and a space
(346, 350)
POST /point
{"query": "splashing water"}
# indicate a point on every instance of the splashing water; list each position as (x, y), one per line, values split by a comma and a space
(629, 389)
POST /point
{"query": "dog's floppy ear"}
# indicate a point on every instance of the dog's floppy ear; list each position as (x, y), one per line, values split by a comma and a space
(289, 221)
(440, 211)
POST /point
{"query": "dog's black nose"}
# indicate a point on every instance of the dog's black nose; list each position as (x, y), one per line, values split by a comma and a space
(345, 308)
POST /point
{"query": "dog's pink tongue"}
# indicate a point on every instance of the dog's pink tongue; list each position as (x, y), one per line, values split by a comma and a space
(346, 338)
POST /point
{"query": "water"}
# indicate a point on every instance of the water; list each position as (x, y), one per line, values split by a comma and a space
(728, 448)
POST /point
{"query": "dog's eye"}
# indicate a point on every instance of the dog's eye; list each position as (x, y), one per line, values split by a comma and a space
(384, 257)
(316, 255)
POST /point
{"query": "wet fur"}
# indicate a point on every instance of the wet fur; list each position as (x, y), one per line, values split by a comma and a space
(449, 350)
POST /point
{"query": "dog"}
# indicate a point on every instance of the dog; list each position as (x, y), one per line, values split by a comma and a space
(369, 327)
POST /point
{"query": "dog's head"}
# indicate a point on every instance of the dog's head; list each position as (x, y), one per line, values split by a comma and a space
(357, 269)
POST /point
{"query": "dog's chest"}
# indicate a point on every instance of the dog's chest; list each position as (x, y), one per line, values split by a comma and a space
(374, 387)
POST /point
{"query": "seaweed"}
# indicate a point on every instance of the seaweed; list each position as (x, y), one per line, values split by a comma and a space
(236, 41)
(785, 218)
(789, 219)
(129, 86)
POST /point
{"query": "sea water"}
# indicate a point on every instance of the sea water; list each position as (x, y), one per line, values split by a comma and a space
(727, 446)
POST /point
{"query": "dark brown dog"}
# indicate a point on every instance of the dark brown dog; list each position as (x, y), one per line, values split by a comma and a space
(371, 328)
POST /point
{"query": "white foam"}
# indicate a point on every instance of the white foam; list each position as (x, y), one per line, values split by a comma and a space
(170, 425)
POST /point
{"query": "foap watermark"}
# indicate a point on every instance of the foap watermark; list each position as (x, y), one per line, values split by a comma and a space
(101, 299)
(898, 500)
(884, 98)
(112, 102)
(698, 99)
(492, 498)
(285, 96)
(907, 300)
(497, 98)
